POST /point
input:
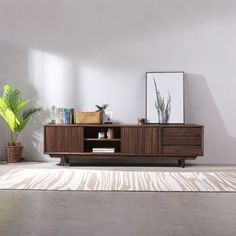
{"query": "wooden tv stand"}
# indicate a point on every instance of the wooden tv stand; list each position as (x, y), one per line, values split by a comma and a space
(180, 142)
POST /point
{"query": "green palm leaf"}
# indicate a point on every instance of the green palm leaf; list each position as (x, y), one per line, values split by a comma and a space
(11, 104)
(23, 123)
(30, 112)
(11, 120)
(22, 104)
(11, 97)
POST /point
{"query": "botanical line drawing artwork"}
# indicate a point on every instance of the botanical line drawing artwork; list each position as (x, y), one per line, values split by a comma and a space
(162, 106)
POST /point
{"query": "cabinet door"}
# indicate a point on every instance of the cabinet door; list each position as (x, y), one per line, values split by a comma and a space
(140, 140)
(63, 139)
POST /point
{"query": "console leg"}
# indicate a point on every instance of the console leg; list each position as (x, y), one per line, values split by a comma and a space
(179, 162)
(182, 162)
(63, 160)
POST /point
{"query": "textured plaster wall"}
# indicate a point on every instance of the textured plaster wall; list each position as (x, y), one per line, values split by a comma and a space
(80, 53)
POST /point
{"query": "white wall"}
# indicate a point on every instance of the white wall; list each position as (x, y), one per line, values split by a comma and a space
(80, 53)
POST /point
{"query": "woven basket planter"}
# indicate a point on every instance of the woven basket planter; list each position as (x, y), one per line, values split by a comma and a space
(14, 153)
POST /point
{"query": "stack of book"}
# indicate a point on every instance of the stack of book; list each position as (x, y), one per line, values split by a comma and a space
(66, 115)
(104, 150)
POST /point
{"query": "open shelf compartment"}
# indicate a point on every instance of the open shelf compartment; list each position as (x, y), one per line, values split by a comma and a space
(91, 139)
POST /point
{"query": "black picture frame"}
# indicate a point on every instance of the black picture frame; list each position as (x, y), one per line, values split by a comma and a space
(146, 98)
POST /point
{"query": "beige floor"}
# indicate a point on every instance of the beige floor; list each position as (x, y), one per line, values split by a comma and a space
(4, 166)
(55, 213)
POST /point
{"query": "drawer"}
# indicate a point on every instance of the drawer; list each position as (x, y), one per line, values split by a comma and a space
(184, 141)
(183, 150)
(182, 132)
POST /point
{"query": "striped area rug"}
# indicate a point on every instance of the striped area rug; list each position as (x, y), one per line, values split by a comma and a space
(102, 180)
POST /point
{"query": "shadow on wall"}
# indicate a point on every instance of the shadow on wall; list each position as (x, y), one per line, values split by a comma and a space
(200, 107)
(15, 67)
(3, 140)
(3, 129)
(50, 80)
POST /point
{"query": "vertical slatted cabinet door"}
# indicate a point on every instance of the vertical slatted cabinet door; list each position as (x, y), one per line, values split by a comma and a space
(63, 139)
(129, 140)
(140, 140)
(151, 140)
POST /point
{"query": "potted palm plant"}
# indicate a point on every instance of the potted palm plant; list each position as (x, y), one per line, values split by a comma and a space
(12, 111)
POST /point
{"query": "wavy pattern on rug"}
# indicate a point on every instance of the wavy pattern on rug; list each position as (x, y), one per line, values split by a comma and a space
(100, 180)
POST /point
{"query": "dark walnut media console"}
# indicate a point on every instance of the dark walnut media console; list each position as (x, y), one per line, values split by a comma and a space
(180, 142)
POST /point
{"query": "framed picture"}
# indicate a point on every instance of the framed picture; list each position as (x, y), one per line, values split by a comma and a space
(165, 97)
(108, 117)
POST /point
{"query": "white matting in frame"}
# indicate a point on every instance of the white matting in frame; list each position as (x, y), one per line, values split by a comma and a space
(165, 97)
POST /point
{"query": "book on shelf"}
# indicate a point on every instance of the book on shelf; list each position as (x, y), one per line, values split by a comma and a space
(66, 115)
(107, 150)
